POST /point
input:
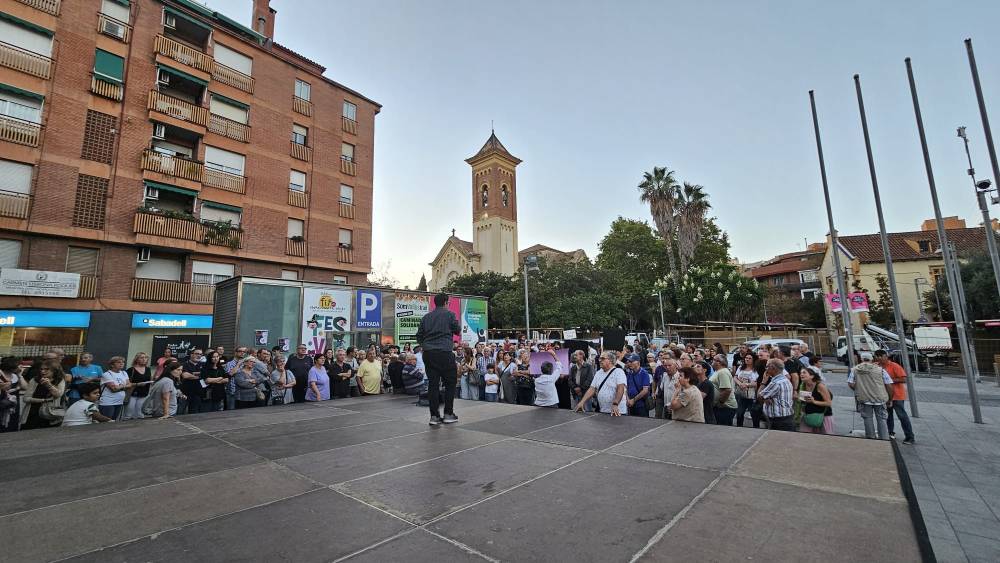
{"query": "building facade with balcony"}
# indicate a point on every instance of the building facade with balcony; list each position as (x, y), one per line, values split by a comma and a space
(794, 273)
(139, 151)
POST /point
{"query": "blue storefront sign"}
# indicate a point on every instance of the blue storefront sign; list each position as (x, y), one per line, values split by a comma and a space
(153, 320)
(368, 307)
(44, 319)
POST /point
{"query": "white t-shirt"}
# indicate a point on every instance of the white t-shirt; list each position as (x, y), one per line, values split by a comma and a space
(606, 396)
(109, 397)
(545, 387)
(491, 387)
(748, 376)
(80, 413)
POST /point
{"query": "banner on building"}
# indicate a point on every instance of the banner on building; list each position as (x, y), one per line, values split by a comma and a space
(34, 283)
(410, 309)
(474, 321)
(833, 302)
(369, 310)
(326, 317)
(858, 302)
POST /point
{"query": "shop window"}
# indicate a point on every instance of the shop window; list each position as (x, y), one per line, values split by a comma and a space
(10, 253)
(82, 260)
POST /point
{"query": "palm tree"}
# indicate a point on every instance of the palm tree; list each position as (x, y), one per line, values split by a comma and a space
(660, 190)
(691, 207)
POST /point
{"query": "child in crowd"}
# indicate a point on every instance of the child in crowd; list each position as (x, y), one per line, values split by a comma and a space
(85, 410)
(492, 382)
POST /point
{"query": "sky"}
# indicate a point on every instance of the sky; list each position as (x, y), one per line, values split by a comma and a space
(590, 94)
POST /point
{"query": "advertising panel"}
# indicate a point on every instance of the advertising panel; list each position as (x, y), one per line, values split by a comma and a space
(410, 308)
(326, 314)
(180, 344)
(369, 310)
(36, 283)
(473, 321)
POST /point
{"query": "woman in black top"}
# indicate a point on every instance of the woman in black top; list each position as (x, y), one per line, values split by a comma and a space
(524, 384)
(819, 399)
(141, 377)
(214, 375)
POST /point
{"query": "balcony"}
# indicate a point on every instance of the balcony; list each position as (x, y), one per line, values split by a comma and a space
(347, 210)
(14, 204)
(232, 77)
(19, 131)
(182, 53)
(295, 247)
(148, 223)
(177, 109)
(345, 254)
(348, 125)
(176, 166)
(114, 28)
(88, 287)
(47, 6)
(302, 106)
(105, 89)
(228, 128)
(297, 198)
(168, 291)
(225, 181)
(301, 152)
(12, 56)
(348, 167)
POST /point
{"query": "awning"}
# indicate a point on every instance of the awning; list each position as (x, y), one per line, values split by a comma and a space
(188, 18)
(230, 101)
(169, 188)
(237, 26)
(125, 3)
(222, 206)
(19, 92)
(34, 27)
(182, 74)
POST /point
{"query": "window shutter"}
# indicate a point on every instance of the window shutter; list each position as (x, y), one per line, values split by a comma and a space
(212, 268)
(346, 194)
(109, 65)
(228, 161)
(15, 177)
(300, 130)
(10, 253)
(347, 151)
(210, 213)
(27, 39)
(289, 275)
(81, 260)
(297, 181)
(295, 228)
(233, 60)
(345, 236)
(229, 111)
(116, 10)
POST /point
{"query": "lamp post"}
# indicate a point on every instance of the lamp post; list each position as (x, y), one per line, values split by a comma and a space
(663, 323)
(530, 265)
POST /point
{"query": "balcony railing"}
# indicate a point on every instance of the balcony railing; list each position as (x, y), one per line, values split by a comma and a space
(176, 166)
(232, 77)
(169, 291)
(302, 106)
(348, 167)
(345, 254)
(186, 229)
(349, 125)
(12, 56)
(182, 53)
(47, 6)
(106, 89)
(114, 28)
(295, 247)
(178, 109)
(347, 210)
(19, 131)
(88, 287)
(225, 181)
(229, 128)
(297, 198)
(14, 204)
(301, 152)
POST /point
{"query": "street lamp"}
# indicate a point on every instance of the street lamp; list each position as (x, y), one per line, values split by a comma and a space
(663, 323)
(982, 188)
(530, 265)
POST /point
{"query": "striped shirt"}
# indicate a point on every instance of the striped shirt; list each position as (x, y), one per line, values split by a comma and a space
(779, 389)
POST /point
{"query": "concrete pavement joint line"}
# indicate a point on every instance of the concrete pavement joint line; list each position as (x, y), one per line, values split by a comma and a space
(156, 534)
(383, 472)
(324, 429)
(813, 487)
(331, 415)
(376, 544)
(466, 548)
(674, 463)
(683, 512)
(82, 448)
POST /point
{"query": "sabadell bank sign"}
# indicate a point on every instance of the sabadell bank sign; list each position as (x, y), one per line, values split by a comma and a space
(159, 323)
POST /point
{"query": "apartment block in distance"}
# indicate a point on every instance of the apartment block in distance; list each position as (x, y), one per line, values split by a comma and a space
(151, 148)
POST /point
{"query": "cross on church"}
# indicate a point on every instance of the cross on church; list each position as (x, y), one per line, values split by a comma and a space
(453, 232)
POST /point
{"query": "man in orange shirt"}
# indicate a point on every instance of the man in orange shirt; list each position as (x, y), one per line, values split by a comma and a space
(898, 398)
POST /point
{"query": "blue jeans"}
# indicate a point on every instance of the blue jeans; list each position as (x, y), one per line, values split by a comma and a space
(464, 388)
(899, 409)
(874, 417)
(491, 397)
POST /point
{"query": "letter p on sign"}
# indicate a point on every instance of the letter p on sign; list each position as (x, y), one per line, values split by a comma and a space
(368, 304)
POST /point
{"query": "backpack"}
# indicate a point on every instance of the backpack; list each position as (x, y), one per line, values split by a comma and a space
(154, 402)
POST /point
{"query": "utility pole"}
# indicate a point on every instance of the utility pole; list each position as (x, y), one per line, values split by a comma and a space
(530, 263)
(663, 323)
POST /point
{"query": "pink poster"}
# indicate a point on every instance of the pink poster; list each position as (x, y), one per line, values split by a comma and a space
(833, 302)
(859, 302)
(537, 358)
(455, 306)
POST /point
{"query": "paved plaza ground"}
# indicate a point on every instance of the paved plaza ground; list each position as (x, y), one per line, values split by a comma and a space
(366, 479)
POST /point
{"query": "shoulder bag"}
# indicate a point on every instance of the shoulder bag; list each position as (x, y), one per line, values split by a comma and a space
(53, 409)
(596, 404)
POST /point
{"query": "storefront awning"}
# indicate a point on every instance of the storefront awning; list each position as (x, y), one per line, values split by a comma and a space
(169, 188)
(161, 321)
(44, 319)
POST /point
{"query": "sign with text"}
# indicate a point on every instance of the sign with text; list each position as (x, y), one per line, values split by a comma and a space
(36, 283)
(410, 309)
(180, 345)
(324, 311)
(369, 310)
(473, 321)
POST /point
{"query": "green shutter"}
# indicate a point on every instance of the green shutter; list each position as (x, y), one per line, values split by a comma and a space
(19, 92)
(109, 66)
(26, 24)
(182, 74)
(125, 3)
(169, 188)
(221, 206)
(188, 18)
(231, 101)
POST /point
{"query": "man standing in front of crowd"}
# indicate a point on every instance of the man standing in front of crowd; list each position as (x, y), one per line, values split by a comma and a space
(777, 397)
(873, 392)
(898, 397)
(299, 364)
(666, 384)
(191, 382)
(609, 386)
(638, 381)
(435, 336)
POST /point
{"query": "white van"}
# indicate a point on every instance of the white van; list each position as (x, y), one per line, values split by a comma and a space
(862, 343)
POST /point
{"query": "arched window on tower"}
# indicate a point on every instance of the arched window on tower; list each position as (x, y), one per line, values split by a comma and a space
(505, 195)
(485, 194)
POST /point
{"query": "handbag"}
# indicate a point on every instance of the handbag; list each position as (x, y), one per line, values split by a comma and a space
(475, 377)
(814, 419)
(52, 410)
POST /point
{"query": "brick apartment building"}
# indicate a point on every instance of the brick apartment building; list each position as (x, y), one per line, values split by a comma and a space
(155, 147)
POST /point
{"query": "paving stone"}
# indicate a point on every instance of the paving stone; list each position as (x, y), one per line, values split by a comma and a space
(980, 549)
(595, 432)
(246, 418)
(288, 445)
(705, 445)
(76, 438)
(298, 427)
(524, 422)
(417, 547)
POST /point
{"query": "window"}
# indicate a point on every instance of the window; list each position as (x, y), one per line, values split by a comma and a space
(20, 106)
(299, 134)
(15, 177)
(220, 213)
(340, 280)
(504, 195)
(27, 36)
(924, 245)
(116, 10)
(210, 273)
(289, 275)
(224, 161)
(10, 253)
(229, 109)
(484, 194)
(350, 111)
(347, 152)
(345, 237)
(296, 228)
(297, 181)
(81, 260)
(233, 59)
(807, 294)
(109, 67)
(160, 267)
(346, 194)
(302, 89)
(808, 276)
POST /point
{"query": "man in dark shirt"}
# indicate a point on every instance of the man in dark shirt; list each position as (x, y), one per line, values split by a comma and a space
(299, 364)
(340, 372)
(435, 335)
(707, 391)
(191, 382)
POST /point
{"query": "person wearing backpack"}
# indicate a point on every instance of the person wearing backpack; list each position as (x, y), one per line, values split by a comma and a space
(162, 399)
(608, 387)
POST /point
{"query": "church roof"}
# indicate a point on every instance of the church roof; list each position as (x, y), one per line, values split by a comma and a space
(463, 246)
(493, 146)
(549, 252)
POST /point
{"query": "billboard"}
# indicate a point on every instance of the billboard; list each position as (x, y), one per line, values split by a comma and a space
(858, 302)
(369, 310)
(474, 321)
(326, 314)
(410, 308)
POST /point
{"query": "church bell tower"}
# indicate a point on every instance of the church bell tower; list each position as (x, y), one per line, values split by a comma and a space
(494, 207)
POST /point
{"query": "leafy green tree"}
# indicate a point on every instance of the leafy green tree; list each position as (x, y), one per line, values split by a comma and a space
(980, 287)
(633, 256)
(713, 248)
(486, 284)
(422, 285)
(881, 308)
(717, 293)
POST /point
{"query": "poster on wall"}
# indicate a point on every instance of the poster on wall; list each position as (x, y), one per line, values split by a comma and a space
(473, 321)
(410, 308)
(833, 302)
(180, 345)
(285, 344)
(859, 302)
(326, 315)
(260, 337)
(369, 310)
(455, 306)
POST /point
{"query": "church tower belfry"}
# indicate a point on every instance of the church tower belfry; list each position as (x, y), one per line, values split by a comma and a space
(494, 207)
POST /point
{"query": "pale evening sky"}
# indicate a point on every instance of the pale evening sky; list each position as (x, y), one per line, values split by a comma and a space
(590, 94)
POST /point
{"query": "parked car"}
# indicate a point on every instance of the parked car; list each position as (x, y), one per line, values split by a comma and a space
(755, 344)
